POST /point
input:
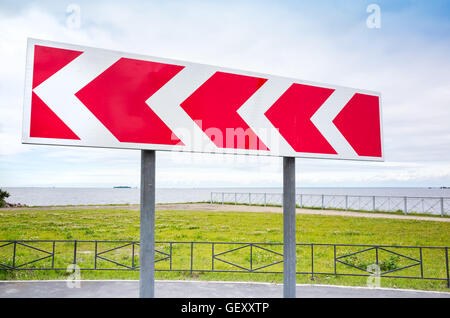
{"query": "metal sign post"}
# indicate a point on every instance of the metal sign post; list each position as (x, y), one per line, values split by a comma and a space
(147, 228)
(289, 242)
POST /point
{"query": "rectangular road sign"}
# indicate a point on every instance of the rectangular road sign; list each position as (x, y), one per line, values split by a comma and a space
(83, 96)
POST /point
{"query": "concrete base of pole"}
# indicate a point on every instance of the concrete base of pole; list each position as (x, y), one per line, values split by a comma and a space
(147, 226)
(289, 247)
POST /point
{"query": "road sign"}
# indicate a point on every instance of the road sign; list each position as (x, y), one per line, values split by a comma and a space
(82, 96)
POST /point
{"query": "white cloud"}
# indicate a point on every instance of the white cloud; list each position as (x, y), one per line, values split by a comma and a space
(326, 43)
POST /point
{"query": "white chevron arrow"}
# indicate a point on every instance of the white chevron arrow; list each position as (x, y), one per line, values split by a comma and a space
(252, 112)
(58, 93)
(323, 120)
(166, 104)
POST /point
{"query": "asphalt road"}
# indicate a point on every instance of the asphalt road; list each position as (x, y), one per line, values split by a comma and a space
(193, 289)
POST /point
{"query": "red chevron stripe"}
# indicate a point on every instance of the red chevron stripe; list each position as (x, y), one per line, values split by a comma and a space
(359, 123)
(49, 60)
(292, 113)
(44, 122)
(117, 98)
(213, 106)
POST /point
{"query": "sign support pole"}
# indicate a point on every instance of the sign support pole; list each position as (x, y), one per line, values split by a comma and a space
(289, 242)
(147, 225)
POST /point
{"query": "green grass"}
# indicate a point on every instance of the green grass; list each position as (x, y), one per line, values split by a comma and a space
(104, 205)
(123, 224)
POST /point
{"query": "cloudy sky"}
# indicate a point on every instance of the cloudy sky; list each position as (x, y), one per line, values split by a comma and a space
(407, 59)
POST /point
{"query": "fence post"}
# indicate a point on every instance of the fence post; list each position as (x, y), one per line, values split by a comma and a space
(322, 203)
(251, 257)
(75, 253)
(373, 204)
(442, 207)
(192, 257)
(421, 262)
(223, 195)
(235, 198)
(132, 256)
(446, 263)
(335, 268)
(211, 198)
(265, 199)
(96, 249)
(212, 257)
(405, 209)
(249, 198)
(301, 200)
(171, 247)
(53, 254)
(376, 254)
(346, 202)
(14, 254)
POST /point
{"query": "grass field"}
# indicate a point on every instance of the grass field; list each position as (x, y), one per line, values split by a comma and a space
(123, 224)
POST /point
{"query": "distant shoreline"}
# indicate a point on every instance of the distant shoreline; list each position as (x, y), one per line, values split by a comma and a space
(39, 196)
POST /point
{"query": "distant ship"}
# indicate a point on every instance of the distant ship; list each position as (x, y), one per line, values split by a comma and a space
(122, 187)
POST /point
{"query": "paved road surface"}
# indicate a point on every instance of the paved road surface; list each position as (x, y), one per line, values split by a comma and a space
(191, 289)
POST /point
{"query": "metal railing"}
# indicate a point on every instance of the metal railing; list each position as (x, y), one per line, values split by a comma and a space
(410, 262)
(401, 204)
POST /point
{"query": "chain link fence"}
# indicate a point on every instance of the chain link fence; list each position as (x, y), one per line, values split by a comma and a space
(416, 205)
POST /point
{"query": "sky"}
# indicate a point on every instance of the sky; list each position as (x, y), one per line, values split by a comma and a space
(406, 58)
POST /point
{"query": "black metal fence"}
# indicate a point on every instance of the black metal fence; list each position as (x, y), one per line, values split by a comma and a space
(388, 261)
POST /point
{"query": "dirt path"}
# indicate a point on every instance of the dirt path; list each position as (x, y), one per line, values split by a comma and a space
(245, 208)
(241, 208)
